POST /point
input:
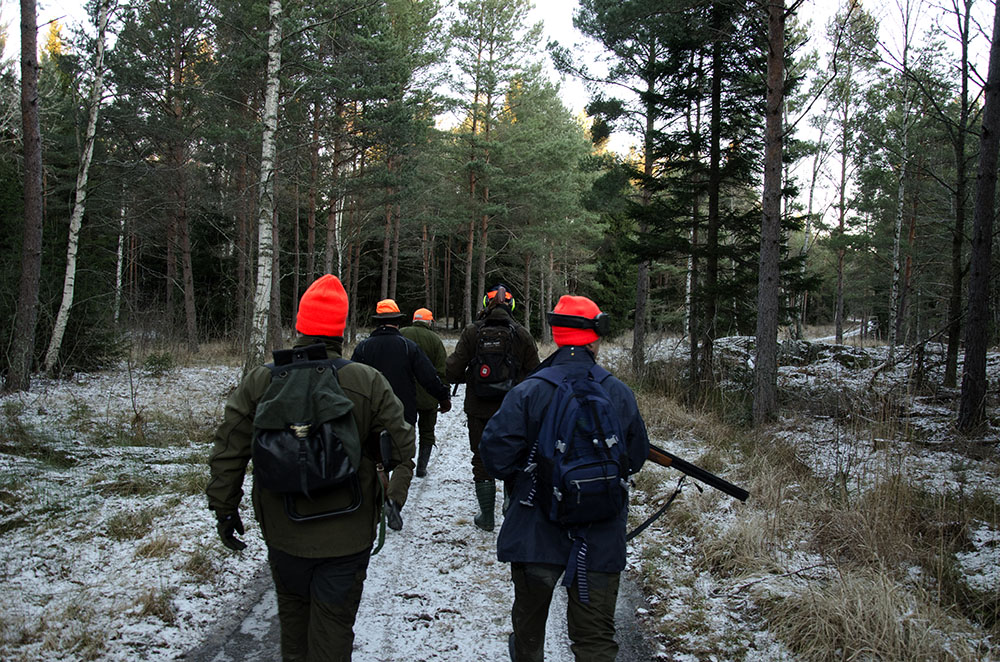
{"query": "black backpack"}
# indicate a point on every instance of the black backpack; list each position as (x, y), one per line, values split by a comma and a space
(492, 371)
(305, 439)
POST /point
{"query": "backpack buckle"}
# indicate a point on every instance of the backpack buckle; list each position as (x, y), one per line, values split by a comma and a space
(560, 446)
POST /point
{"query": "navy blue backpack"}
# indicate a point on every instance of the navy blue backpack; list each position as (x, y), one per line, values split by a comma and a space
(579, 463)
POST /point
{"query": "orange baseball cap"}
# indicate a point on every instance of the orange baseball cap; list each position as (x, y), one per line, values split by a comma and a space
(422, 315)
(386, 309)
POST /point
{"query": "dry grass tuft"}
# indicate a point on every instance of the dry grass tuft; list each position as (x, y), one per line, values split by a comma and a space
(158, 547)
(158, 603)
(200, 565)
(863, 615)
(132, 525)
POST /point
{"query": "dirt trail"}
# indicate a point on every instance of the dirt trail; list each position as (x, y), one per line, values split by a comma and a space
(435, 592)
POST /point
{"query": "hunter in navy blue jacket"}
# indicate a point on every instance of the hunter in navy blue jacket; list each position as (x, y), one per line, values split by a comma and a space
(527, 535)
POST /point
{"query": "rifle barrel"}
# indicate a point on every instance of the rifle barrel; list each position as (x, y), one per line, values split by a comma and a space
(666, 459)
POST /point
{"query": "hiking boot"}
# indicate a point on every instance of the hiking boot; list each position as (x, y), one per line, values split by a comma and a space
(486, 494)
(422, 458)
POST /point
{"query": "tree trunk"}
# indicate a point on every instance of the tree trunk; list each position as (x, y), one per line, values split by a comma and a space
(713, 221)
(526, 296)
(972, 407)
(187, 273)
(425, 259)
(80, 202)
(467, 286)
(313, 186)
(257, 347)
(765, 400)
(274, 314)
(394, 270)
(961, 188)
(120, 259)
(23, 342)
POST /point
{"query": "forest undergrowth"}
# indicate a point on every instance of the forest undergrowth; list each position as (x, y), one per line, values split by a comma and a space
(871, 531)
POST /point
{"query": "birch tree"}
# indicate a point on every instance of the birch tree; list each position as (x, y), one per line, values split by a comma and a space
(265, 207)
(80, 203)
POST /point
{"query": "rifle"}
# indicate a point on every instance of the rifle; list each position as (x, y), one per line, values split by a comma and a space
(663, 458)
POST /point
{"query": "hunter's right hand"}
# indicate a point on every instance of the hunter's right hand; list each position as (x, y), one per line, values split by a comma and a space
(228, 526)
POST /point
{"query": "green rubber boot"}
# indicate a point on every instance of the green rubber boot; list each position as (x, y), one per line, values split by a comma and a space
(486, 494)
(423, 456)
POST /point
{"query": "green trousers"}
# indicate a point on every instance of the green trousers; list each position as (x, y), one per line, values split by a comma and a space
(426, 420)
(318, 601)
(591, 626)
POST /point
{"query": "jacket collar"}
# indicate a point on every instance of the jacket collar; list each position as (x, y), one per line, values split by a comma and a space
(569, 354)
(334, 344)
(384, 330)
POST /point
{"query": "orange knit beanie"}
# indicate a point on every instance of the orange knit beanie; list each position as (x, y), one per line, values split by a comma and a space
(323, 308)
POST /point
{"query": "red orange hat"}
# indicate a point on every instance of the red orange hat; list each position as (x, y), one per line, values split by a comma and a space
(577, 307)
(323, 308)
(386, 309)
(423, 315)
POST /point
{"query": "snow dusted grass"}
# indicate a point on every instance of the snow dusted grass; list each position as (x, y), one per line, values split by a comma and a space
(872, 530)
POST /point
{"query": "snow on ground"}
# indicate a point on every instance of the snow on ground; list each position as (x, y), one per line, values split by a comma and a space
(108, 551)
(70, 590)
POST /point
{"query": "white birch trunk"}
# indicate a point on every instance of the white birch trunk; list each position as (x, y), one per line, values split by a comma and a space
(265, 209)
(894, 303)
(120, 264)
(80, 203)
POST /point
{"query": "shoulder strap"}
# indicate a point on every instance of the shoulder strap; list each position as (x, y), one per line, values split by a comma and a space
(598, 373)
(552, 374)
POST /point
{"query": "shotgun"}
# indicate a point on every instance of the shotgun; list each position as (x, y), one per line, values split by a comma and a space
(665, 459)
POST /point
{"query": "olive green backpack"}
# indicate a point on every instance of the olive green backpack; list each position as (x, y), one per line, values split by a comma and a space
(306, 442)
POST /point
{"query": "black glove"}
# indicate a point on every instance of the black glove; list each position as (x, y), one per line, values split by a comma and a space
(392, 515)
(445, 406)
(228, 526)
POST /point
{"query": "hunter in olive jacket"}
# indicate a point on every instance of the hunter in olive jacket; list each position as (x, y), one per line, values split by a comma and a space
(375, 408)
(431, 343)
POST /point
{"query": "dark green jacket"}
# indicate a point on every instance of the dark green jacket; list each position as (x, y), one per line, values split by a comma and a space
(375, 408)
(525, 358)
(428, 341)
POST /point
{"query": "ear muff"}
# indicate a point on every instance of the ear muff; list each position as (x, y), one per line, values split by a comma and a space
(509, 299)
(601, 325)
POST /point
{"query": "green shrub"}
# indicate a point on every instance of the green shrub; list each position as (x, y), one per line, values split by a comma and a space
(158, 364)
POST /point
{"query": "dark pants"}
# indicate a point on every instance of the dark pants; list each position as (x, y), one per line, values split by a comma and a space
(476, 427)
(317, 603)
(591, 626)
(426, 420)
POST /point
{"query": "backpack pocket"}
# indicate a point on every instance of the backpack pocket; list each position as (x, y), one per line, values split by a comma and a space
(590, 493)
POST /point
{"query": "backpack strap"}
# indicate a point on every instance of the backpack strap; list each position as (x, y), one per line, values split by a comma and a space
(576, 568)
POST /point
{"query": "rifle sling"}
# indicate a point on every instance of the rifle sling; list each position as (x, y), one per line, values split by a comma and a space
(655, 516)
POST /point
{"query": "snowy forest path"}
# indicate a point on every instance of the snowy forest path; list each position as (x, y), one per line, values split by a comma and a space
(435, 592)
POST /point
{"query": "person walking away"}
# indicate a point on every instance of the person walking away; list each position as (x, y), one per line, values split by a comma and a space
(319, 543)
(566, 439)
(493, 354)
(405, 366)
(421, 331)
